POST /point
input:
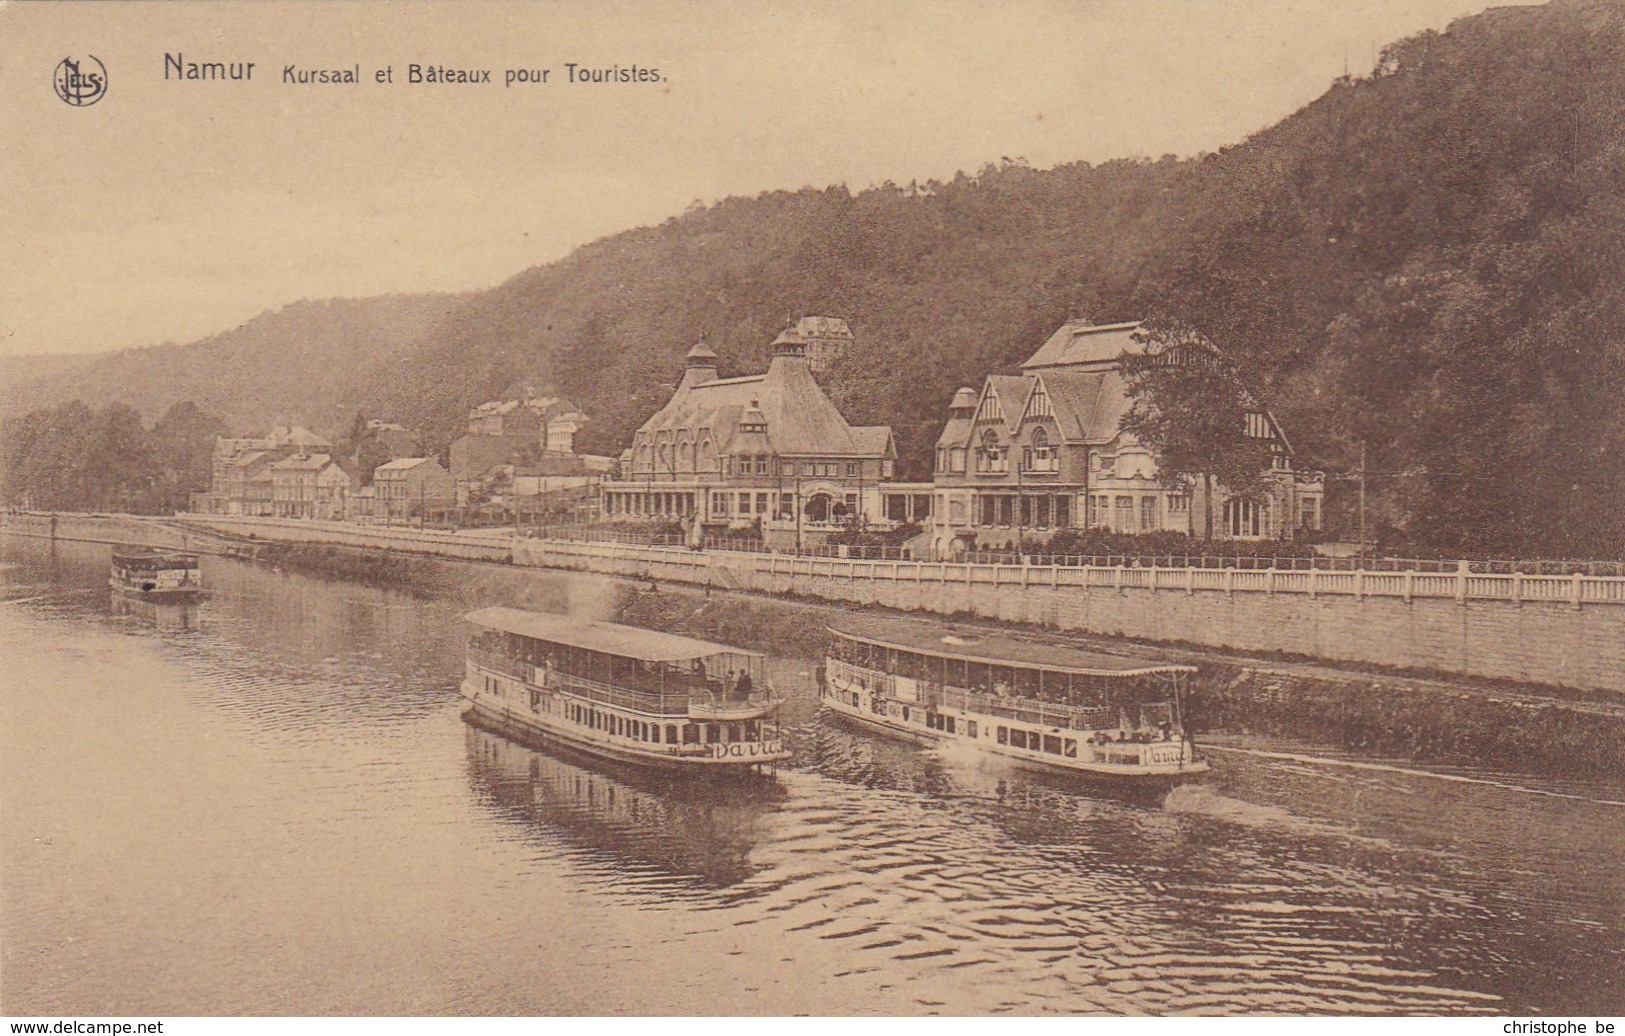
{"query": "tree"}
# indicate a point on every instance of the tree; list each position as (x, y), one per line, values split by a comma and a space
(115, 466)
(182, 444)
(1190, 408)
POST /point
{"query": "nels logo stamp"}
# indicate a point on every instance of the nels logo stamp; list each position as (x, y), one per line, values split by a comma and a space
(80, 82)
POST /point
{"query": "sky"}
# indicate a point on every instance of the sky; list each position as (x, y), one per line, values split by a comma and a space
(173, 209)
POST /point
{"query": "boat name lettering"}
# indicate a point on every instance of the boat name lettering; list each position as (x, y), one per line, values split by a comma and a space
(745, 749)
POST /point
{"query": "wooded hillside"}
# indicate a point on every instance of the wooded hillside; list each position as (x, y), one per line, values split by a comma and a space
(1428, 259)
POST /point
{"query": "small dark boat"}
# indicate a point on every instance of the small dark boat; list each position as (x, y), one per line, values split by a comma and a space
(156, 573)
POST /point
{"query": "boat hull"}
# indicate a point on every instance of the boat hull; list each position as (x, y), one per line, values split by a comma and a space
(158, 595)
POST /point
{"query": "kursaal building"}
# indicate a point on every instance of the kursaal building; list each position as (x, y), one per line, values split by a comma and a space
(1034, 453)
(765, 451)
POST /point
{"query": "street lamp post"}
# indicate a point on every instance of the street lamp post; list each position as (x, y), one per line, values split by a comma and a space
(1021, 517)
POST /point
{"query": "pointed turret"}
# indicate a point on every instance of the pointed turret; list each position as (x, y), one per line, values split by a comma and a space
(700, 366)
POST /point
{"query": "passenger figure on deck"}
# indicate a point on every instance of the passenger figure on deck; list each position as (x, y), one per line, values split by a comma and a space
(742, 688)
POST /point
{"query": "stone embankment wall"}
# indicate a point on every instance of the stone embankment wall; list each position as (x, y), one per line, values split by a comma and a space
(1560, 630)
(1397, 718)
(383, 537)
(1565, 631)
(90, 528)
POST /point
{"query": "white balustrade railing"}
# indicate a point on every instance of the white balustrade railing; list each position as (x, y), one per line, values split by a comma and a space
(680, 562)
(1572, 589)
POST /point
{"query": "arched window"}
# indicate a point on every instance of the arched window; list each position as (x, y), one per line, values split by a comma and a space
(706, 456)
(990, 455)
(663, 457)
(1041, 456)
(685, 456)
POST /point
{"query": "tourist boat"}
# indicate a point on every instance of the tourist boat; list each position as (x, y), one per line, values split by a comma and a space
(156, 573)
(621, 692)
(1042, 705)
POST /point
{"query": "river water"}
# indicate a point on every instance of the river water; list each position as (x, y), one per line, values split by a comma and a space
(271, 804)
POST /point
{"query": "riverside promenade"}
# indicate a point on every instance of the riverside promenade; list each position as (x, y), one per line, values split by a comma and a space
(1561, 630)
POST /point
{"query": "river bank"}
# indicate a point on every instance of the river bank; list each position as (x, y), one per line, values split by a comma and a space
(1396, 718)
(1459, 722)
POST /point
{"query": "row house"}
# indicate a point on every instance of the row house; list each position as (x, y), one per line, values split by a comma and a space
(1034, 453)
(240, 478)
(765, 451)
(247, 488)
(412, 486)
(310, 485)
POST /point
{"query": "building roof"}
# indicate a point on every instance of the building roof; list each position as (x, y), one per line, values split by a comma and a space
(956, 432)
(1088, 404)
(245, 460)
(1077, 368)
(542, 405)
(1012, 391)
(978, 645)
(801, 419)
(1080, 342)
(823, 327)
(303, 462)
(605, 637)
(297, 436)
(404, 464)
(873, 439)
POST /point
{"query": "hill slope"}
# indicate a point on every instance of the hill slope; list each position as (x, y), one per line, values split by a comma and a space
(294, 365)
(1427, 260)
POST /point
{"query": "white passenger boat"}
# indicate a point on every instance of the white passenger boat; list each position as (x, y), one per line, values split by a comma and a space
(621, 692)
(156, 573)
(1036, 704)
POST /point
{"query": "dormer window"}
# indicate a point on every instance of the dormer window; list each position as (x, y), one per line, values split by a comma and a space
(753, 420)
(1041, 456)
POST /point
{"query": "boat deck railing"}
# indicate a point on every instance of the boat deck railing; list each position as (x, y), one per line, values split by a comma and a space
(1011, 707)
(702, 703)
(1025, 710)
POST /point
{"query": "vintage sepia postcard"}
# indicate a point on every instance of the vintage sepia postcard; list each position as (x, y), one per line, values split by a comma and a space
(740, 509)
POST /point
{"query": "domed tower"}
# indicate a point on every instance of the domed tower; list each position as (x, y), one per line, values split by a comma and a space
(700, 366)
(789, 343)
(964, 404)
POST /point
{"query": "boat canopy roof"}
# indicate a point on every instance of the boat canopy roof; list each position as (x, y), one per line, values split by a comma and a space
(153, 556)
(988, 648)
(604, 637)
